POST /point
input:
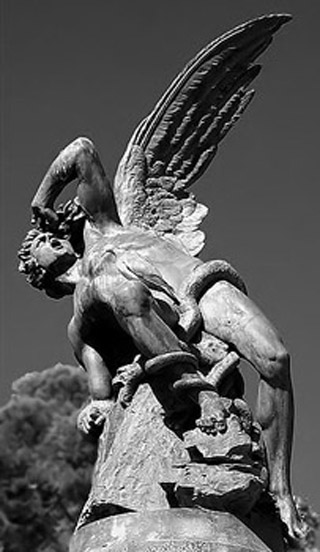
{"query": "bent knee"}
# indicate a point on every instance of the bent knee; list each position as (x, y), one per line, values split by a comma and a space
(132, 299)
(277, 367)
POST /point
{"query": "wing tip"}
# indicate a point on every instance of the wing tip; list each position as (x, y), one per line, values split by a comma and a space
(283, 17)
(271, 23)
(275, 20)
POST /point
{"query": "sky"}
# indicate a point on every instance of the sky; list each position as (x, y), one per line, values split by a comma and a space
(77, 68)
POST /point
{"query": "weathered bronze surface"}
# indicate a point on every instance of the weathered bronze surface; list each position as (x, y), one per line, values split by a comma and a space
(148, 311)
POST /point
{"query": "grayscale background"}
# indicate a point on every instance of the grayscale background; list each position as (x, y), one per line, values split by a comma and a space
(74, 67)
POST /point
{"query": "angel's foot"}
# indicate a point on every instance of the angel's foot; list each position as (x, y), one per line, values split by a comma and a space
(244, 413)
(214, 413)
(92, 417)
(296, 528)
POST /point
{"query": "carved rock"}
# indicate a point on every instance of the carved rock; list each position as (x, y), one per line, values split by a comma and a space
(144, 466)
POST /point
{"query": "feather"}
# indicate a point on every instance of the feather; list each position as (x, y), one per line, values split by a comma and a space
(178, 140)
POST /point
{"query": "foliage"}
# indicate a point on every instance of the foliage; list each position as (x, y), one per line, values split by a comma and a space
(45, 463)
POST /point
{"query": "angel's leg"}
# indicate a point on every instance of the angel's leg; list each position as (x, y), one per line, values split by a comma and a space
(172, 370)
(134, 309)
(234, 318)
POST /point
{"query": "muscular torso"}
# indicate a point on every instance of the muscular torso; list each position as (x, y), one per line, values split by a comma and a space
(105, 267)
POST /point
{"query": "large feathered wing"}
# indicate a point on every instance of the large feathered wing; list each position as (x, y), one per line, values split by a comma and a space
(174, 145)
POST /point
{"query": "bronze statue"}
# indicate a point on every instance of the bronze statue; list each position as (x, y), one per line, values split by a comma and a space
(145, 307)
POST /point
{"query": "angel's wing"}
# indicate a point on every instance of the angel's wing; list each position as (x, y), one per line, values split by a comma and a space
(174, 145)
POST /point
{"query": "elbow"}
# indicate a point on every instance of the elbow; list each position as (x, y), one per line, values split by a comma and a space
(83, 151)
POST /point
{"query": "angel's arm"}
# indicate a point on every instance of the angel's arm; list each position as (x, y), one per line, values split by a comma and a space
(78, 161)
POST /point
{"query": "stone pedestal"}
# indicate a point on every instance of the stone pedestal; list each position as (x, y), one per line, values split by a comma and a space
(153, 491)
(175, 530)
(143, 466)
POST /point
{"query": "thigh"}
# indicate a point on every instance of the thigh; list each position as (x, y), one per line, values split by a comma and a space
(233, 317)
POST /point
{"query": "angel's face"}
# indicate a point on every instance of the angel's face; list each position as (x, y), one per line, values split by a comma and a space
(54, 254)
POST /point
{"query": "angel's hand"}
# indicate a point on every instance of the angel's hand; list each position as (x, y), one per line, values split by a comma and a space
(92, 417)
(44, 218)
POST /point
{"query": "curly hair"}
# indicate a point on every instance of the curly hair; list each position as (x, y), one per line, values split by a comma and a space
(70, 227)
(28, 264)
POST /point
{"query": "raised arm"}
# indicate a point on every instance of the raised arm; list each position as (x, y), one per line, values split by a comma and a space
(78, 161)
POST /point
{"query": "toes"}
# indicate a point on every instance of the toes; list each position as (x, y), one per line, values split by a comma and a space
(211, 431)
(90, 422)
(207, 429)
(211, 426)
(218, 423)
(221, 426)
(205, 423)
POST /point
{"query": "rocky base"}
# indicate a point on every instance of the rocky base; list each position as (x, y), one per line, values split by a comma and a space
(143, 466)
(156, 491)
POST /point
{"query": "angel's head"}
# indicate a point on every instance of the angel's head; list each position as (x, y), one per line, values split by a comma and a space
(44, 258)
